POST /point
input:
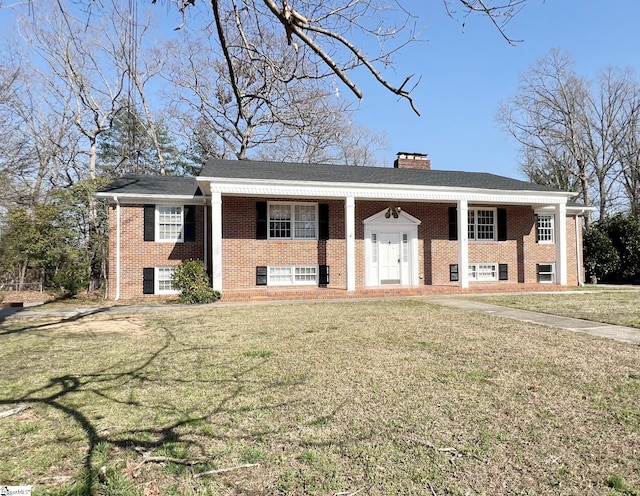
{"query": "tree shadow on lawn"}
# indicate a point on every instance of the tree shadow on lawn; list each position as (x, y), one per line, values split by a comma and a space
(56, 393)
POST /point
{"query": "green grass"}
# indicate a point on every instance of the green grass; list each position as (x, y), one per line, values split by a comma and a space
(609, 306)
(384, 397)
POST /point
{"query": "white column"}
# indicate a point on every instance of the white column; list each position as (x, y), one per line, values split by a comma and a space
(118, 254)
(216, 240)
(350, 235)
(560, 223)
(463, 243)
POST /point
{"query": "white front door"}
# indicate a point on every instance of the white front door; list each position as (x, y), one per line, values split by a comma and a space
(389, 258)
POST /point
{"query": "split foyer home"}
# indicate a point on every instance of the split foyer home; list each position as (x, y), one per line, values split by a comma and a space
(268, 228)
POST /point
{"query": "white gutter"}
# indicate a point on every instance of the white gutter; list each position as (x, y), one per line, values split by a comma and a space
(117, 295)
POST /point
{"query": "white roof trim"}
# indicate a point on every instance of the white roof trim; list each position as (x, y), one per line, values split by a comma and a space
(154, 197)
(254, 187)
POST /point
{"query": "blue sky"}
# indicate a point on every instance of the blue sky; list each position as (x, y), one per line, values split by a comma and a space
(467, 73)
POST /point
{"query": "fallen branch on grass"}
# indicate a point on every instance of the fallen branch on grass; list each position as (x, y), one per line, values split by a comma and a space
(429, 444)
(14, 411)
(222, 470)
(134, 470)
(347, 493)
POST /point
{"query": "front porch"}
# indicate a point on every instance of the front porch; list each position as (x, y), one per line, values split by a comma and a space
(314, 293)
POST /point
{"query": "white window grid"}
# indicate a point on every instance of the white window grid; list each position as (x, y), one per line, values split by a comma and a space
(546, 273)
(405, 247)
(481, 224)
(169, 223)
(292, 275)
(305, 221)
(545, 228)
(374, 248)
(279, 221)
(164, 280)
(293, 221)
(483, 272)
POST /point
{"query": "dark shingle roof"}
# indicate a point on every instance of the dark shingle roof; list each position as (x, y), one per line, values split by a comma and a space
(154, 185)
(250, 169)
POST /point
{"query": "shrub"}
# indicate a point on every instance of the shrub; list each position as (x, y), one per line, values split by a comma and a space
(612, 248)
(601, 259)
(191, 279)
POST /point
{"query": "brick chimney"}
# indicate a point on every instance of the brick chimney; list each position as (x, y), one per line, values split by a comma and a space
(412, 161)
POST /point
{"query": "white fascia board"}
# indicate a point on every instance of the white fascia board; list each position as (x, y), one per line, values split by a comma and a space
(313, 189)
(571, 209)
(133, 198)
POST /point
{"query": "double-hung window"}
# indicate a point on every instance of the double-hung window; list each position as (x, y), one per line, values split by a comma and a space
(481, 224)
(170, 223)
(546, 272)
(544, 228)
(293, 221)
(164, 280)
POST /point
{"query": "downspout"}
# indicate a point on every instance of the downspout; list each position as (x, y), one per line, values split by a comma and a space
(205, 254)
(117, 295)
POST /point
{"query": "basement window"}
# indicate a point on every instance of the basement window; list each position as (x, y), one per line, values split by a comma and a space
(483, 272)
(293, 275)
(546, 273)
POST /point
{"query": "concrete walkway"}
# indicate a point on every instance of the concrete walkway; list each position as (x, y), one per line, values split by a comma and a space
(619, 333)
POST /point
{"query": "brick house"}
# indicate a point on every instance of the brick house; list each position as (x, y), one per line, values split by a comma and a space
(268, 228)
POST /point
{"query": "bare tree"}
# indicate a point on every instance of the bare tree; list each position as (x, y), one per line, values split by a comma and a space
(573, 134)
(330, 31)
(278, 96)
(38, 146)
(82, 61)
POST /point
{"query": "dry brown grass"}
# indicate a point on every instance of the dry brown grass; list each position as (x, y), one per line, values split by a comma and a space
(612, 307)
(327, 398)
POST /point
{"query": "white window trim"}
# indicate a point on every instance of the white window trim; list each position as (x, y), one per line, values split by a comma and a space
(496, 271)
(156, 282)
(293, 220)
(475, 224)
(553, 228)
(179, 239)
(553, 273)
(293, 282)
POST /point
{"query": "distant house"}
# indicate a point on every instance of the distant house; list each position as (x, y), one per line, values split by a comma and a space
(269, 228)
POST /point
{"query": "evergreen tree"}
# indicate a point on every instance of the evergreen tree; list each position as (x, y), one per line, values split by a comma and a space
(127, 148)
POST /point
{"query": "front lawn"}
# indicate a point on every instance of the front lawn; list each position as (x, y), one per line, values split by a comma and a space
(384, 397)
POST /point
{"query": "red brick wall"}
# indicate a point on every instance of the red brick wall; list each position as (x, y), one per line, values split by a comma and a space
(242, 252)
(136, 254)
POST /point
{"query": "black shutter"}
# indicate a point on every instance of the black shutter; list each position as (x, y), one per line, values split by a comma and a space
(453, 272)
(189, 222)
(502, 224)
(324, 275)
(453, 224)
(261, 220)
(503, 272)
(535, 226)
(323, 221)
(148, 284)
(261, 275)
(149, 223)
